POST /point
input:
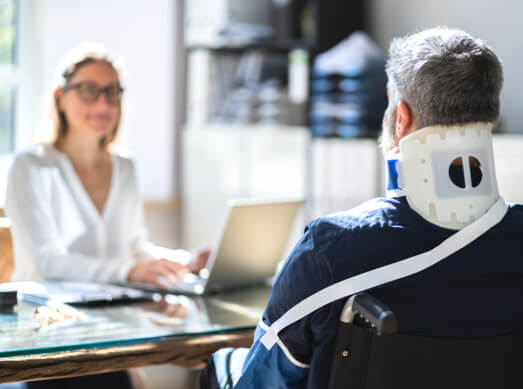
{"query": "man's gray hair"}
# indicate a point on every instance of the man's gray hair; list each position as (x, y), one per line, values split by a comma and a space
(445, 76)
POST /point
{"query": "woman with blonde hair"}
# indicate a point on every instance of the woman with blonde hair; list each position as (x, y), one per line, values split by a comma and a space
(73, 202)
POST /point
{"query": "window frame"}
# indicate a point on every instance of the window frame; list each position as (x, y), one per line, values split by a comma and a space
(23, 77)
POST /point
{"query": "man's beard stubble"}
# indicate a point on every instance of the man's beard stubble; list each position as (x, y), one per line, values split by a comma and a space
(387, 139)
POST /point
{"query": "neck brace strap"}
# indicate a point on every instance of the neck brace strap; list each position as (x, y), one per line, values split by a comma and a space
(388, 273)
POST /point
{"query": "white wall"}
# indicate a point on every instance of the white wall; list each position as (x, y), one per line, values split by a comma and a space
(497, 22)
(143, 33)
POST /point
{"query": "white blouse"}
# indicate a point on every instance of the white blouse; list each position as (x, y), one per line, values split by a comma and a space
(57, 231)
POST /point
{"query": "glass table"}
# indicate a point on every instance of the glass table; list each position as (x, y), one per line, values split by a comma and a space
(174, 329)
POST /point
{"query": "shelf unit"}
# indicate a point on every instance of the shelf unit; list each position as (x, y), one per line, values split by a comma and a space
(223, 161)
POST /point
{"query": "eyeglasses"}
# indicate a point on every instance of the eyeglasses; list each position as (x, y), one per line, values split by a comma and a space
(90, 91)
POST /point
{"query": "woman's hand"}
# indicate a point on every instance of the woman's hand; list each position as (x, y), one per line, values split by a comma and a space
(158, 272)
(199, 260)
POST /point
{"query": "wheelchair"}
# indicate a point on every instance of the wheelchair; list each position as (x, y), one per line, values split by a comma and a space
(369, 353)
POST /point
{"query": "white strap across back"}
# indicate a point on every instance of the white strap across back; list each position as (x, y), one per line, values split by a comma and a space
(388, 273)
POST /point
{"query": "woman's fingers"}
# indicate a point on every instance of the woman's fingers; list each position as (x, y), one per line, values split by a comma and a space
(200, 260)
(174, 267)
(160, 272)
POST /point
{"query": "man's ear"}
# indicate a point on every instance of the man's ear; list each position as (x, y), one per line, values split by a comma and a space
(405, 123)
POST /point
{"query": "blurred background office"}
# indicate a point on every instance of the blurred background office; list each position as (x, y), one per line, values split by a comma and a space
(245, 98)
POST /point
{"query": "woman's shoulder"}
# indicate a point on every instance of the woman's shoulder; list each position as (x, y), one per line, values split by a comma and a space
(33, 165)
(38, 155)
(123, 158)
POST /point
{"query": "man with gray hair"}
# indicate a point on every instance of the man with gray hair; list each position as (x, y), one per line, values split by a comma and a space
(440, 77)
(440, 247)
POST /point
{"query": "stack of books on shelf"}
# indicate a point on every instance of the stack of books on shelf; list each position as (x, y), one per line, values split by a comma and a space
(348, 89)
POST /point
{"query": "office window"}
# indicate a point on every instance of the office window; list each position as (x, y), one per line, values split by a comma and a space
(8, 73)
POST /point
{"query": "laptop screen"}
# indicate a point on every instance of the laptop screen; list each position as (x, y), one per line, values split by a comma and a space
(252, 242)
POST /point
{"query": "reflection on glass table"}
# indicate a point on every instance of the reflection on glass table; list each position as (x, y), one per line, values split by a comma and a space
(164, 317)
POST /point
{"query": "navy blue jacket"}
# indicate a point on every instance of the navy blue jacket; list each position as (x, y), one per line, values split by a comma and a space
(473, 292)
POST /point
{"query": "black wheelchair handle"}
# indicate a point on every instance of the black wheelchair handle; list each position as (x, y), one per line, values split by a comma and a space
(373, 311)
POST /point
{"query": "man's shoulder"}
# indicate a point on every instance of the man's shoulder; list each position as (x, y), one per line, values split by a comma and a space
(371, 215)
(514, 218)
(516, 208)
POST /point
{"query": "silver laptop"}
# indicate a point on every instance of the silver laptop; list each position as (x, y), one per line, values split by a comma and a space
(252, 242)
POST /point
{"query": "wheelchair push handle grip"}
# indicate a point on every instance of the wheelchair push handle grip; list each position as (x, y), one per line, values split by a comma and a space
(374, 312)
